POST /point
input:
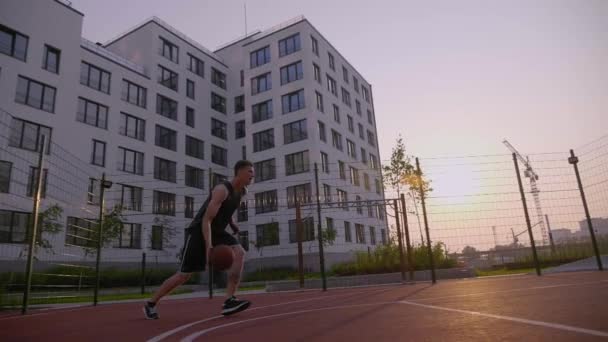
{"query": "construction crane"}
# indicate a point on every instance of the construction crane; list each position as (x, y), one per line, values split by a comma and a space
(533, 177)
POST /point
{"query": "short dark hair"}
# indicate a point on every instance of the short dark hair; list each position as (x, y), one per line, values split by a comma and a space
(241, 164)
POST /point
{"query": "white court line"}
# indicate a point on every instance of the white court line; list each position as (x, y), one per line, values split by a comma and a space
(186, 326)
(191, 337)
(514, 319)
(507, 291)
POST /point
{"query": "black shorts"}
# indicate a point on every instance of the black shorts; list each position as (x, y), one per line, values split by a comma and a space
(193, 258)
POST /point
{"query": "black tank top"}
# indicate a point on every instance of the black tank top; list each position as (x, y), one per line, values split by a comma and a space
(225, 212)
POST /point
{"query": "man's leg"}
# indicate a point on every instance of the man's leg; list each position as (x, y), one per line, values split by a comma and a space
(169, 285)
(235, 271)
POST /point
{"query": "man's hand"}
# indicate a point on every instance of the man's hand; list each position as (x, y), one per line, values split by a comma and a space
(235, 228)
(209, 251)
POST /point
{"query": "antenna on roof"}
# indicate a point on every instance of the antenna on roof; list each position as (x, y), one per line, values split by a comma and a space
(245, 5)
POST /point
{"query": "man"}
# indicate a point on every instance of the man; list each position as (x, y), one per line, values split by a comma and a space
(209, 229)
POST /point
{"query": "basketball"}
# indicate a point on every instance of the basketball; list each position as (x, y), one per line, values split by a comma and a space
(221, 257)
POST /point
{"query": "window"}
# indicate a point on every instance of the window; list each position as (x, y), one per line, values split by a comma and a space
(131, 197)
(35, 94)
(92, 113)
(94, 77)
(188, 207)
(378, 187)
(266, 202)
(360, 233)
(32, 182)
(169, 50)
(195, 147)
(289, 45)
(291, 73)
(356, 84)
(5, 176)
(324, 162)
(358, 106)
(315, 45)
(354, 176)
(166, 107)
(336, 139)
(219, 155)
(359, 206)
(98, 156)
(332, 62)
(218, 103)
(331, 85)
(80, 232)
(165, 170)
(365, 93)
(370, 209)
(261, 111)
(366, 181)
(196, 66)
(15, 226)
(157, 238)
(166, 138)
(383, 236)
(242, 78)
(26, 135)
(351, 149)
(363, 156)
(13, 43)
(132, 127)
(260, 84)
(130, 236)
(190, 89)
(370, 117)
(342, 169)
(295, 131)
(239, 129)
(130, 161)
(361, 132)
(346, 97)
(371, 138)
(167, 78)
(327, 193)
(134, 94)
(372, 235)
(265, 170)
(347, 233)
(308, 230)
(244, 152)
(381, 215)
(239, 104)
(263, 140)
(293, 101)
(330, 223)
(342, 199)
(219, 129)
(336, 113)
(317, 72)
(243, 212)
(216, 179)
(195, 177)
(51, 59)
(190, 117)
(322, 135)
(259, 57)
(218, 78)
(351, 124)
(300, 193)
(297, 163)
(345, 74)
(267, 234)
(163, 203)
(319, 102)
(373, 162)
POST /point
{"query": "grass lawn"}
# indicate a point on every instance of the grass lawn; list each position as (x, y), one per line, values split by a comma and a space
(503, 271)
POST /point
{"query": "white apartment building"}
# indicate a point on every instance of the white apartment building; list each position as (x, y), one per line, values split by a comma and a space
(164, 118)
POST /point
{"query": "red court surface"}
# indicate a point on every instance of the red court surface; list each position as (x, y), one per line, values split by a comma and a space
(557, 307)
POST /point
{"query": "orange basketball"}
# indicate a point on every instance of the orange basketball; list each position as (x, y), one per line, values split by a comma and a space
(222, 257)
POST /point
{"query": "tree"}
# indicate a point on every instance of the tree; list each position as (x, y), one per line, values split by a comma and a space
(110, 230)
(49, 223)
(167, 231)
(468, 250)
(399, 168)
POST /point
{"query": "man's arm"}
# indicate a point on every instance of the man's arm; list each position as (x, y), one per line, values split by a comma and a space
(218, 196)
(234, 226)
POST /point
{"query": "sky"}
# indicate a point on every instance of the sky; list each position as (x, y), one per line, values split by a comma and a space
(452, 77)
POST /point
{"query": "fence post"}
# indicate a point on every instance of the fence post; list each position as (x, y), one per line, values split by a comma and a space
(400, 241)
(426, 222)
(103, 185)
(210, 270)
(523, 201)
(408, 246)
(319, 231)
(574, 161)
(143, 273)
(34, 230)
(550, 234)
(299, 238)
